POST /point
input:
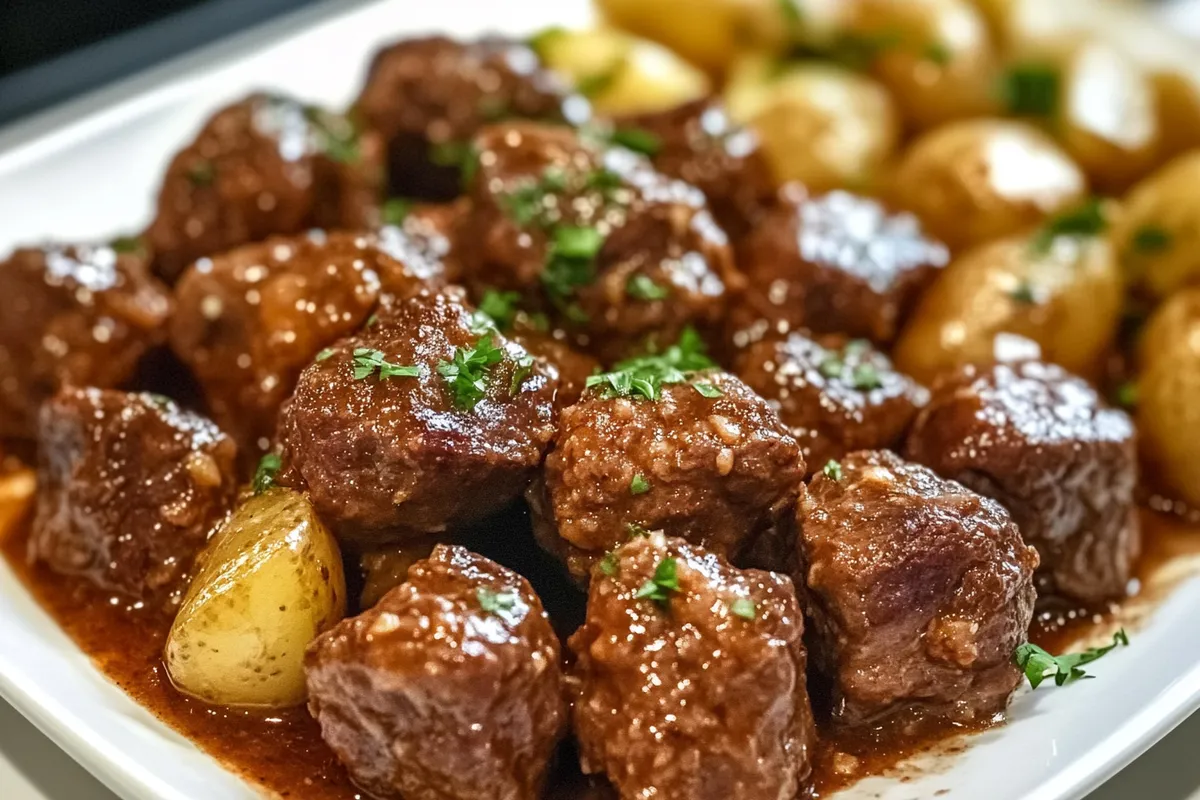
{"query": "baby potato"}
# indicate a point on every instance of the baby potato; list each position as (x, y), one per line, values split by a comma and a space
(935, 56)
(977, 180)
(1064, 294)
(269, 582)
(621, 74)
(1177, 98)
(1158, 238)
(819, 124)
(1168, 416)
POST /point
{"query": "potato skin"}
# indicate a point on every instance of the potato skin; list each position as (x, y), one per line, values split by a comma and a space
(621, 74)
(1067, 300)
(1158, 237)
(819, 124)
(269, 582)
(1168, 416)
(977, 180)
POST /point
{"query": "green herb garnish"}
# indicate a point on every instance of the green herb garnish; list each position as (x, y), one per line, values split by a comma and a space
(395, 210)
(202, 173)
(1031, 90)
(1040, 665)
(744, 607)
(599, 82)
(610, 563)
(643, 287)
(1024, 294)
(268, 468)
(324, 354)
(526, 203)
(1126, 395)
(639, 485)
(938, 53)
(337, 136)
(467, 372)
(524, 366)
(452, 153)
(645, 376)
(639, 140)
(1084, 221)
(665, 581)
(866, 377)
(500, 307)
(831, 366)
(495, 602)
(367, 361)
(635, 531)
(570, 262)
(128, 244)
(1150, 239)
(832, 470)
(707, 389)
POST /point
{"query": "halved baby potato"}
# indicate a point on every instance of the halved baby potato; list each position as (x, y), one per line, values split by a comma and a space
(1158, 238)
(269, 582)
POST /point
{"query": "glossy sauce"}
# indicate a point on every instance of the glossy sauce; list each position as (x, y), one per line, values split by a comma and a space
(282, 751)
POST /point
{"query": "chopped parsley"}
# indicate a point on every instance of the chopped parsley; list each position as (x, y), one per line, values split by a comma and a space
(570, 262)
(202, 173)
(635, 531)
(527, 203)
(1040, 665)
(938, 53)
(1083, 221)
(495, 602)
(643, 287)
(268, 468)
(744, 607)
(644, 376)
(665, 581)
(831, 366)
(368, 361)
(639, 485)
(866, 377)
(610, 563)
(128, 244)
(467, 372)
(1126, 395)
(396, 210)
(452, 153)
(324, 354)
(832, 470)
(707, 389)
(598, 83)
(1024, 294)
(524, 368)
(1150, 239)
(336, 135)
(1031, 90)
(500, 307)
(639, 140)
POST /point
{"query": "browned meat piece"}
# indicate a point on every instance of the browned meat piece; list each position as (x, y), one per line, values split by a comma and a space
(448, 688)
(835, 395)
(698, 143)
(573, 367)
(261, 166)
(72, 316)
(919, 591)
(387, 455)
(1042, 443)
(690, 676)
(430, 232)
(129, 488)
(838, 263)
(248, 321)
(428, 97)
(619, 254)
(386, 568)
(716, 468)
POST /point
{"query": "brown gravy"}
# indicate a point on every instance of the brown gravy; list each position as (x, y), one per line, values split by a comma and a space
(282, 752)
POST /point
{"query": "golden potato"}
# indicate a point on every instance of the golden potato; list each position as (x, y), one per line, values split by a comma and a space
(1158, 238)
(1064, 294)
(978, 180)
(1168, 416)
(819, 124)
(269, 582)
(619, 73)
(935, 56)
(1177, 98)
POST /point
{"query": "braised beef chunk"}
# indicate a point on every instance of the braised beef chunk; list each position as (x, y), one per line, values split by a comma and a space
(919, 591)
(428, 97)
(690, 677)
(429, 233)
(698, 144)
(129, 488)
(385, 568)
(425, 420)
(1042, 443)
(448, 688)
(261, 166)
(835, 395)
(572, 367)
(249, 320)
(838, 263)
(72, 316)
(616, 253)
(708, 461)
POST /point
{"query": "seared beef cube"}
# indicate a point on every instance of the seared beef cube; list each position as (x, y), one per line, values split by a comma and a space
(72, 316)
(690, 677)
(129, 488)
(423, 421)
(835, 395)
(1042, 443)
(385, 568)
(708, 461)
(919, 591)
(698, 144)
(248, 321)
(838, 263)
(428, 97)
(428, 235)
(261, 166)
(448, 688)
(617, 253)
(572, 367)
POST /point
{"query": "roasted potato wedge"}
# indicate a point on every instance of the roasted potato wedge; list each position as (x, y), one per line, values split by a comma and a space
(1158, 238)
(268, 583)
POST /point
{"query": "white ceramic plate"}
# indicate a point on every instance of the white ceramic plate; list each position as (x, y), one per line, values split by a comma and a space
(90, 170)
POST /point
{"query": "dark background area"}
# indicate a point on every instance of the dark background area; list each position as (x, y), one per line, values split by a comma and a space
(51, 50)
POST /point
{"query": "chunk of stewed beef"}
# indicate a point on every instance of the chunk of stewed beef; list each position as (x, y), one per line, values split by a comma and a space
(1046, 446)
(919, 591)
(836, 395)
(428, 97)
(264, 165)
(72, 316)
(129, 488)
(616, 253)
(837, 263)
(698, 144)
(690, 677)
(708, 461)
(426, 420)
(249, 320)
(448, 688)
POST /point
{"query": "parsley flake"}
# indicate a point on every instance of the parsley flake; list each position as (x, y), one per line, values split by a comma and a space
(324, 354)
(467, 372)
(645, 376)
(831, 367)
(1126, 395)
(706, 389)
(938, 53)
(1150, 239)
(396, 210)
(202, 173)
(495, 602)
(1031, 90)
(524, 368)
(643, 287)
(452, 153)
(1040, 665)
(570, 261)
(665, 581)
(268, 468)
(128, 244)
(635, 531)
(1084, 221)
(832, 470)
(1024, 294)
(336, 135)
(639, 140)
(367, 361)
(610, 563)
(639, 485)
(500, 307)
(597, 83)
(866, 377)
(744, 607)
